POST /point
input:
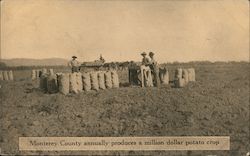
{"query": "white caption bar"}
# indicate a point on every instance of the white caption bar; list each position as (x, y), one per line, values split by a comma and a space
(124, 143)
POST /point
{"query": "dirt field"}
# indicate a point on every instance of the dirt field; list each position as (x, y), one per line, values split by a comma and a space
(217, 104)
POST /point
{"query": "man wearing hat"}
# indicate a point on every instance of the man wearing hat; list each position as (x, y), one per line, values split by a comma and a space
(146, 78)
(145, 60)
(74, 64)
(152, 60)
(155, 69)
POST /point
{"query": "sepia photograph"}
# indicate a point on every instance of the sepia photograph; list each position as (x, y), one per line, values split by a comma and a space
(125, 77)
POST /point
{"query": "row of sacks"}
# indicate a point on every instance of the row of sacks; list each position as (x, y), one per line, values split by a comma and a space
(37, 73)
(183, 76)
(77, 82)
(164, 75)
(6, 75)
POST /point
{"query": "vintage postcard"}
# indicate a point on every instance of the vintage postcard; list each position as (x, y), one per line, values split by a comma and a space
(124, 77)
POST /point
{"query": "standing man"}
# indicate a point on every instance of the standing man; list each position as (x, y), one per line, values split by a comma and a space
(155, 69)
(74, 64)
(146, 77)
(102, 59)
(145, 60)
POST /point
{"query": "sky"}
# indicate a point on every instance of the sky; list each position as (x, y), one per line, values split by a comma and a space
(183, 30)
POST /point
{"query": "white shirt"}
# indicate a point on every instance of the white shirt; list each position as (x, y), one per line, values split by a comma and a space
(73, 63)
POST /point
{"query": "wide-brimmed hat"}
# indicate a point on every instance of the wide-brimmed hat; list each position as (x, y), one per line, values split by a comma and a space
(74, 57)
(151, 53)
(143, 53)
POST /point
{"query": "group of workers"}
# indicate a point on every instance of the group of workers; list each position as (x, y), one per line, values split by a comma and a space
(152, 64)
(146, 62)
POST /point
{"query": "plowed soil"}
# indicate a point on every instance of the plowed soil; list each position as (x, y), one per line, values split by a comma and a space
(217, 104)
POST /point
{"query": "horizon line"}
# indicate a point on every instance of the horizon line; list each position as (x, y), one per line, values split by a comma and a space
(175, 61)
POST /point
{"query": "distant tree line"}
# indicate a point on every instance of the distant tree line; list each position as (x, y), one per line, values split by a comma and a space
(122, 65)
(191, 63)
(5, 67)
(2, 65)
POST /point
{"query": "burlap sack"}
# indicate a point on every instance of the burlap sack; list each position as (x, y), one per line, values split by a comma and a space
(193, 70)
(185, 75)
(43, 82)
(178, 73)
(86, 81)
(164, 76)
(1, 75)
(161, 73)
(5, 76)
(94, 81)
(63, 83)
(101, 80)
(51, 71)
(180, 83)
(73, 88)
(52, 85)
(33, 74)
(115, 79)
(194, 79)
(191, 74)
(108, 79)
(44, 71)
(11, 77)
(79, 82)
(37, 73)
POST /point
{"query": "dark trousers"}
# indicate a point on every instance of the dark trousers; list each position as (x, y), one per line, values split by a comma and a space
(156, 78)
(75, 69)
(133, 76)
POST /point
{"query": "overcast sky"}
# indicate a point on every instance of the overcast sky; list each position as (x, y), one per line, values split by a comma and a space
(120, 30)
